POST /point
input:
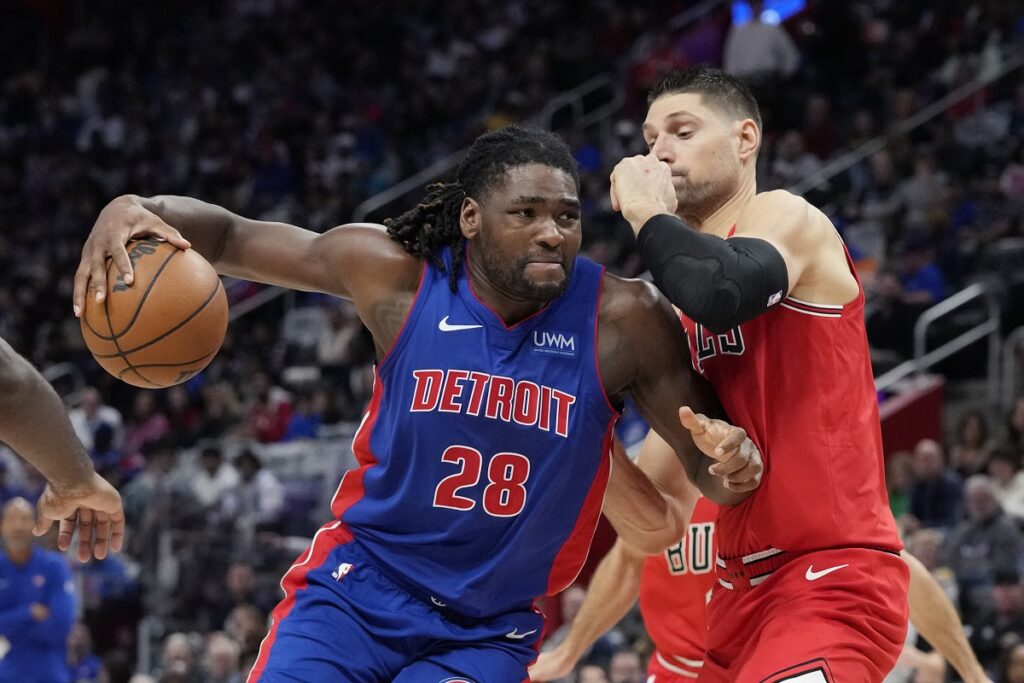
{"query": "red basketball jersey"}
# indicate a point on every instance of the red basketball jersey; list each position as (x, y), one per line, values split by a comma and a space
(798, 379)
(674, 591)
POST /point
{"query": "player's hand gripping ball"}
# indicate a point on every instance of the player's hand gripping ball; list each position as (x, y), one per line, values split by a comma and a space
(164, 327)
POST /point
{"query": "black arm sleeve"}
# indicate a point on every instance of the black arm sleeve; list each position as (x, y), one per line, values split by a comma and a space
(717, 283)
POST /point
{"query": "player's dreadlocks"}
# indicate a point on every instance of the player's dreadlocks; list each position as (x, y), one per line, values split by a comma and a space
(434, 223)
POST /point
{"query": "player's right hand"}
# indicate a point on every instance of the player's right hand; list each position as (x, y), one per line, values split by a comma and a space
(94, 509)
(120, 221)
(550, 666)
(738, 460)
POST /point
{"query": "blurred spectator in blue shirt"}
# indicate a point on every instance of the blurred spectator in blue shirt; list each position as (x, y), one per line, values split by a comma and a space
(37, 602)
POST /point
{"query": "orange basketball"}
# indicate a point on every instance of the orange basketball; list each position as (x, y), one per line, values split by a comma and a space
(166, 326)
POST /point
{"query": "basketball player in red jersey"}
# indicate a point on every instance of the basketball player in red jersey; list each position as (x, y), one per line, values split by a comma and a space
(674, 587)
(811, 586)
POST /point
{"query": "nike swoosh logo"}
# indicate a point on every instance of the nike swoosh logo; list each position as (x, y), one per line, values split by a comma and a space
(812, 575)
(515, 635)
(444, 326)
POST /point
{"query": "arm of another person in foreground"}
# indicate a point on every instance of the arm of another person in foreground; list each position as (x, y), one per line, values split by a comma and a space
(613, 590)
(642, 351)
(655, 482)
(35, 425)
(935, 618)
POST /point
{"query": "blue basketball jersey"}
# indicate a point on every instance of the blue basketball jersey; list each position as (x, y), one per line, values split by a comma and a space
(484, 453)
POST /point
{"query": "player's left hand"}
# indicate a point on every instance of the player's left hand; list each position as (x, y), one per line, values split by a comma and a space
(94, 509)
(738, 460)
(641, 187)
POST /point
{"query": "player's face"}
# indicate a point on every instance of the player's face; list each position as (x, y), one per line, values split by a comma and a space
(528, 233)
(700, 144)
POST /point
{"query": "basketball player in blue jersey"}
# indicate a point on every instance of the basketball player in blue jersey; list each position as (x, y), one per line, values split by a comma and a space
(484, 452)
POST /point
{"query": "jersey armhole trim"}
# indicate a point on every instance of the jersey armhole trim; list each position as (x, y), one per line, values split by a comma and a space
(616, 413)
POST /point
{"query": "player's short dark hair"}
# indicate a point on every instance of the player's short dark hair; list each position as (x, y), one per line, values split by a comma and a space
(434, 223)
(719, 89)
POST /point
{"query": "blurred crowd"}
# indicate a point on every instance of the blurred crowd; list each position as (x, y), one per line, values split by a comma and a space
(225, 102)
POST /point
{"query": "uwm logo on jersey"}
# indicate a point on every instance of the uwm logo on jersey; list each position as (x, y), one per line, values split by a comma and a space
(708, 344)
(555, 343)
(693, 553)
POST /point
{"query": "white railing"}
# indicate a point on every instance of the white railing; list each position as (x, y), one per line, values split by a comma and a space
(1011, 366)
(924, 359)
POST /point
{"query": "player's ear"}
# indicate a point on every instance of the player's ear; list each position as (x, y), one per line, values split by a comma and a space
(470, 218)
(749, 139)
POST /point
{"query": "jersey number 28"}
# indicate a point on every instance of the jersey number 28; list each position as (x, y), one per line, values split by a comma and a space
(505, 493)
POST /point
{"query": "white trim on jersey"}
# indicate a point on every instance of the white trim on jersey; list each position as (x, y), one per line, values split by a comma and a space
(806, 312)
(725, 584)
(816, 676)
(675, 669)
(837, 307)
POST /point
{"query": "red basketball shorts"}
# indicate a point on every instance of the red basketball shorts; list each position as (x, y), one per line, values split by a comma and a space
(831, 615)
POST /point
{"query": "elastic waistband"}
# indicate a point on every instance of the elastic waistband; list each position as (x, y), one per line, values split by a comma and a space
(749, 571)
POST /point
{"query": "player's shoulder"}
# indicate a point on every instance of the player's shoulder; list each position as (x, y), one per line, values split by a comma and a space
(625, 297)
(783, 212)
(371, 246)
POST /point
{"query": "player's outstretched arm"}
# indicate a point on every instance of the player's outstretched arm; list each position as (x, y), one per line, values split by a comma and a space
(349, 261)
(33, 423)
(642, 350)
(934, 616)
(613, 589)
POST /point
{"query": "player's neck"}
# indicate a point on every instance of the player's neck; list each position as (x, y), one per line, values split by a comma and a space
(509, 308)
(721, 220)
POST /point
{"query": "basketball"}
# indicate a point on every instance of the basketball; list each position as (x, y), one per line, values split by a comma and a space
(166, 326)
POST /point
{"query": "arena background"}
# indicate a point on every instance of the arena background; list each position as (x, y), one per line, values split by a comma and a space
(903, 121)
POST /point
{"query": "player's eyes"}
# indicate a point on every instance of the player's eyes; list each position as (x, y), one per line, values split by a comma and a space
(523, 213)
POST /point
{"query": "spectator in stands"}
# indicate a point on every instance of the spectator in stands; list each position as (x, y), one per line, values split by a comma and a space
(936, 494)
(182, 416)
(91, 415)
(1012, 666)
(970, 453)
(222, 412)
(257, 503)
(759, 52)
(37, 601)
(84, 666)
(820, 132)
(306, 417)
(999, 627)
(1015, 426)
(793, 162)
(221, 660)
(591, 673)
(269, 410)
(7, 489)
(923, 281)
(1008, 481)
(178, 661)
(214, 479)
(922, 194)
(626, 667)
(238, 587)
(146, 426)
(899, 481)
(987, 543)
(246, 625)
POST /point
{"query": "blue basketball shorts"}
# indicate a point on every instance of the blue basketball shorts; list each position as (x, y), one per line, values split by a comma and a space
(342, 619)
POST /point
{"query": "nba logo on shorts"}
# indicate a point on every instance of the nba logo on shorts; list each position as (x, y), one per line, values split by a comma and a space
(339, 573)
